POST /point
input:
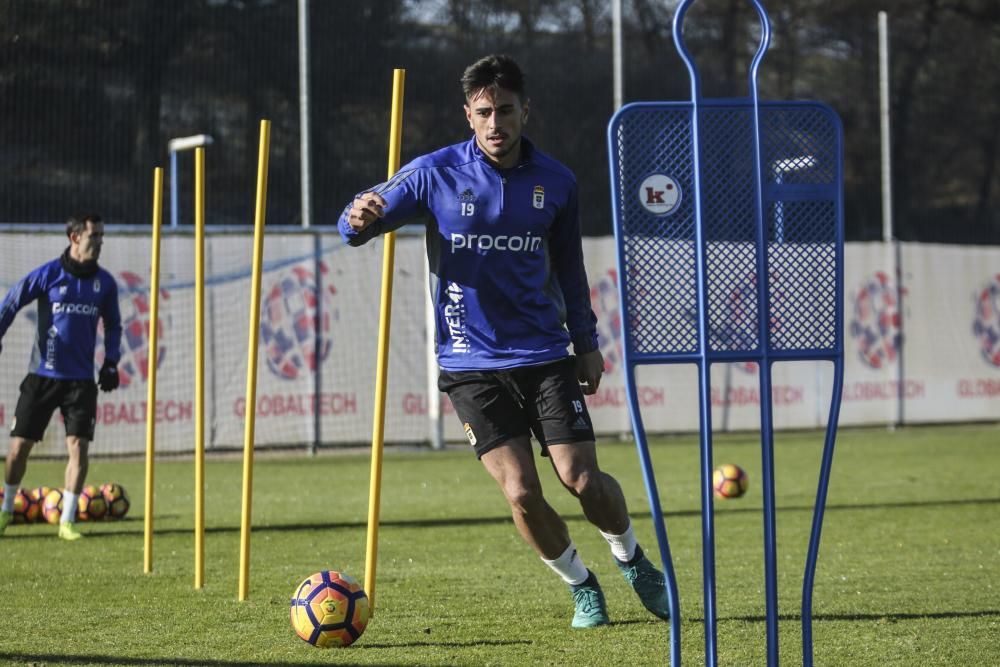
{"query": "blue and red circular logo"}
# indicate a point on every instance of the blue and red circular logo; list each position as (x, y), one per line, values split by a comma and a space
(604, 301)
(986, 325)
(133, 302)
(736, 329)
(736, 325)
(877, 321)
(297, 322)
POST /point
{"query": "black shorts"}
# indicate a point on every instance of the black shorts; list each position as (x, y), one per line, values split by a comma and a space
(40, 396)
(497, 406)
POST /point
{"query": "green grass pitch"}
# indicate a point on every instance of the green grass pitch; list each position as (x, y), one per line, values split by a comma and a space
(909, 567)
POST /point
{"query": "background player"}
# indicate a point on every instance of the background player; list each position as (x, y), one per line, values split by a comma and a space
(72, 292)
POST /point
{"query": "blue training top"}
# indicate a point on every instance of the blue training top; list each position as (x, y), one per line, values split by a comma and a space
(70, 299)
(505, 248)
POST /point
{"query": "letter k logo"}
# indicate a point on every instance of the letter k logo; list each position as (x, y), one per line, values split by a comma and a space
(659, 194)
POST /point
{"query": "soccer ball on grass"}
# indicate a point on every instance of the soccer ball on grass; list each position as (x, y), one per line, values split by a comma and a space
(52, 506)
(26, 508)
(39, 493)
(116, 500)
(329, 609)
(729, 481)
(90, 505)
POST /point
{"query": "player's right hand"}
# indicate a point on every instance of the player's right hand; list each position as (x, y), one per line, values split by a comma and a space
(366, 209)
(589, 369)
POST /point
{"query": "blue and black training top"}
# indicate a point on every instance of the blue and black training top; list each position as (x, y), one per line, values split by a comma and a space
(505, 247)
(71, 297)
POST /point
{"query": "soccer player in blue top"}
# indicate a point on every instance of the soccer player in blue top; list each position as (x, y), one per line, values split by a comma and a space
(511, 295)
(72, 293)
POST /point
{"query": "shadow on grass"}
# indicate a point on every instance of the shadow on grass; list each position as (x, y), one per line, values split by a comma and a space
(840, 507)
(901, 616)
(76, 659)
(444, 644)
(135, 525)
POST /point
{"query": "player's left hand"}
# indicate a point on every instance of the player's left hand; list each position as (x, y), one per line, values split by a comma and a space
(107, 379)
(589, 369)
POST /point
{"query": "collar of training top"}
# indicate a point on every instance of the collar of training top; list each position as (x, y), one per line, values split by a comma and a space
(527, 151)
(78, 269)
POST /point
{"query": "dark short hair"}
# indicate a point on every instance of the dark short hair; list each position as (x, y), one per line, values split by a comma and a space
(78, 223)
(493, 72)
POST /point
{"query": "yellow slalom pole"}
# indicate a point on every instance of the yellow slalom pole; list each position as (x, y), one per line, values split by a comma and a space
(251, 395)
(382, 364)
(154, 310)
(199, 367)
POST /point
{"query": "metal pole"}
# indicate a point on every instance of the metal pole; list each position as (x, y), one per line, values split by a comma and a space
(319, 339)
(173, 189)
(304, 129)
(883, 76)
(892, 254)
(616, 45)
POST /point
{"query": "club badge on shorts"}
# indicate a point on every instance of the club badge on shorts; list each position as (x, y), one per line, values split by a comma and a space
(538, 197)
(469, 434)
